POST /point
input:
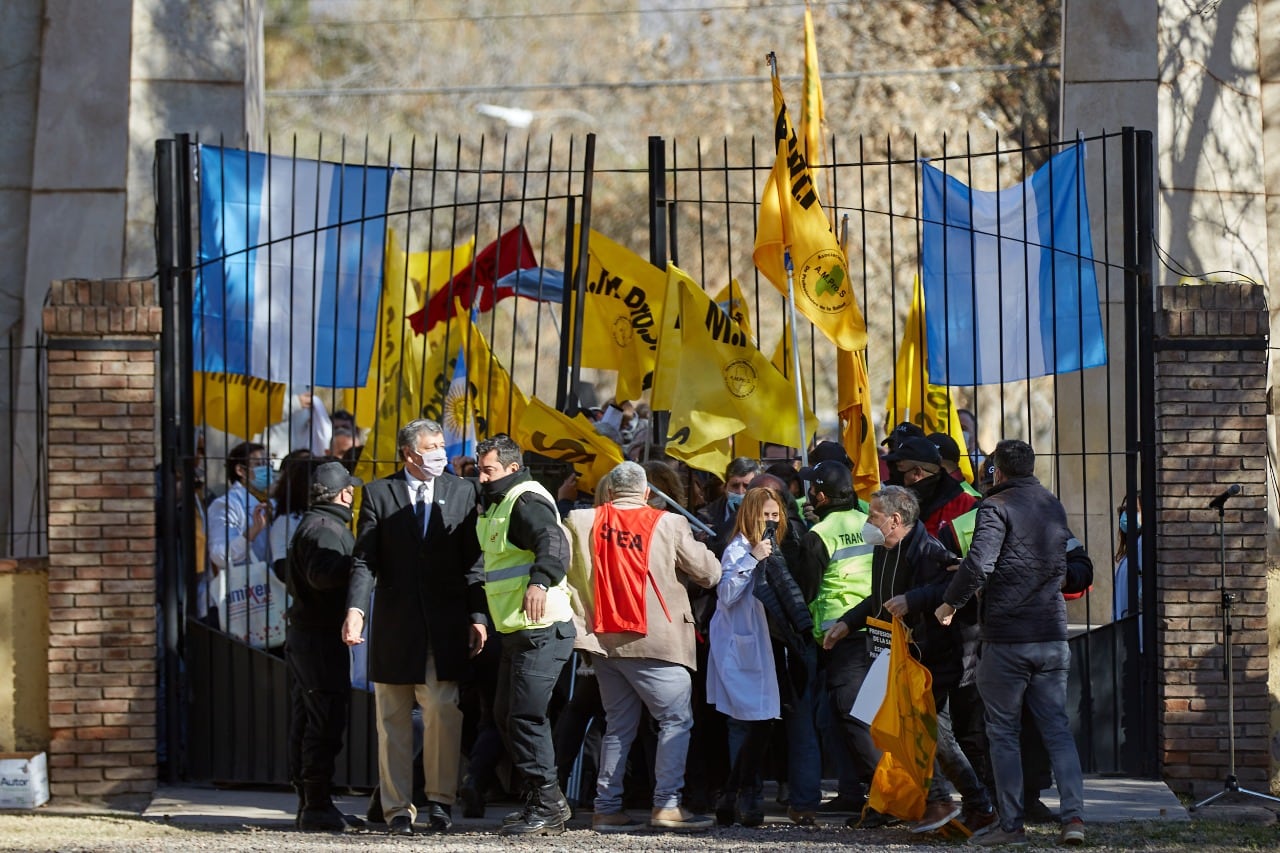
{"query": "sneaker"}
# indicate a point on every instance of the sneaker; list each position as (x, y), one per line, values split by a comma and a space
(1072, 832)
(978, 819)
(998, 836)
(936, 815)
(802, 817)
(618, 822)
(843, 803)
(679, 819)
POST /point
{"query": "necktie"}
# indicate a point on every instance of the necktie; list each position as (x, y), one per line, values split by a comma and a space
(420, 509)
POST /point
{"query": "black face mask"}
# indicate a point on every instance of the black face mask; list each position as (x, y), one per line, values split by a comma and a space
(924, 489)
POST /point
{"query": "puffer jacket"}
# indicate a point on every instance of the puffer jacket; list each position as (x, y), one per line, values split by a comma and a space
(1018, 559)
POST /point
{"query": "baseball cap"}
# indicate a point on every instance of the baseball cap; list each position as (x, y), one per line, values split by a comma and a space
(825, 451)
(948, 449)
(901, 433)
(916, 449)
(335, 477)
(833, 479)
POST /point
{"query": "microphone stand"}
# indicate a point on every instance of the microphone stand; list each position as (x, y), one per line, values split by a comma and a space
(1232, 784)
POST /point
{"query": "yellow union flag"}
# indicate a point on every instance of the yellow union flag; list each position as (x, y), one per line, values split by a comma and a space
(393, 394)
(790, 216)
(242, 406)
(911, 397)
(575, 441)
(857, 432)
(621, 312)
(714, 381)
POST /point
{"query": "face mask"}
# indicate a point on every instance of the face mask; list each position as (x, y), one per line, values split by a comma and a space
(733, 500)
(1124, 522)
(872, 535)
(433, 462)
(262, 478)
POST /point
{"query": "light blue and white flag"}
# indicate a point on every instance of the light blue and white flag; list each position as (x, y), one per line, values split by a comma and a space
(459, 412)
(291, 256)
(1010, 288)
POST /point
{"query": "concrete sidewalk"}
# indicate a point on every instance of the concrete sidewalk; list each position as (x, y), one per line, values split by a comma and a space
(1107, 800)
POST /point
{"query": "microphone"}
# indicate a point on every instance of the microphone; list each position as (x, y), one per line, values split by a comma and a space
(1220, 501)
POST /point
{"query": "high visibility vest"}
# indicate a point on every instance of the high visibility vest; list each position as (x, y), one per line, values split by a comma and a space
(963, 526)
(848, 577)
(506, 567)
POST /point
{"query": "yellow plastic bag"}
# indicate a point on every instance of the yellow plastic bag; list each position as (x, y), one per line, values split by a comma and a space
(906, 729)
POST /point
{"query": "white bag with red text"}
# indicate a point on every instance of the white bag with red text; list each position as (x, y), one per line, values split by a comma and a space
(251, 601)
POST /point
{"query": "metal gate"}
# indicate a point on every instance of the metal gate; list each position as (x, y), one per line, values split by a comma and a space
(225, 703)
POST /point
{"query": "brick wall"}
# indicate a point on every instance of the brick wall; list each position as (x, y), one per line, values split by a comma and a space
(102, 340)
(1211, 375)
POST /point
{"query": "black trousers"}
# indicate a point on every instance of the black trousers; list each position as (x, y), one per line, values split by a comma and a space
(320, 667)
(846, 667)
(531, 663)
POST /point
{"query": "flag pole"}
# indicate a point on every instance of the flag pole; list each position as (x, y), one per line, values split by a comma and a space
(778, 181)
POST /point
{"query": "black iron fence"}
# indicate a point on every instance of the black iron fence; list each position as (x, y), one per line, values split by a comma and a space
(420, 240)
(23, 435)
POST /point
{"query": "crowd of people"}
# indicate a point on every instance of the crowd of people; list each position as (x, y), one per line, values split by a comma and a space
(671, 640)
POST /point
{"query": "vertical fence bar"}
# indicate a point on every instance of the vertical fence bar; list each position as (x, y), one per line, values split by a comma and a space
(657, 202)
(580, 275)
(568, 298)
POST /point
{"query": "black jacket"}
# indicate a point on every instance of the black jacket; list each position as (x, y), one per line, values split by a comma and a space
(917, 568)
(428, 593)
(1018, 558)
(318, 567)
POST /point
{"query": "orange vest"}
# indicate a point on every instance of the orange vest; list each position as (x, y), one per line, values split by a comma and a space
(620, 541)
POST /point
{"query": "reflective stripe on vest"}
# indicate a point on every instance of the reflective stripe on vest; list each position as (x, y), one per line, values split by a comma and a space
(506, 567)
(847, 579)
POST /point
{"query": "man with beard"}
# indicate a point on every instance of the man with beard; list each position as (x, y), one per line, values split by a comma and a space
(941, 498)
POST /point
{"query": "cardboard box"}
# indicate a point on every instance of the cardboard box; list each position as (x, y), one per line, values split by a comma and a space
(24, 780)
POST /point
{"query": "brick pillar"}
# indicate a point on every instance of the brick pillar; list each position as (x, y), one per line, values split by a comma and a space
(102, 343)
(1211, 386)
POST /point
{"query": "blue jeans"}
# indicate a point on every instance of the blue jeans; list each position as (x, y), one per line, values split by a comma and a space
(1009, 675)
(627, 687)
(804, 760)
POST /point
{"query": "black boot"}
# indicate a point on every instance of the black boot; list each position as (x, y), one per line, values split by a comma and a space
(472, 797)
(297, 817)
(726, 812)
(528, 796)
(319, 814)
(750, 809)
(545, 813)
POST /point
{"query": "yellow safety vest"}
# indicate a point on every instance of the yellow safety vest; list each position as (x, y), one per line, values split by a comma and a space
(848, 577)
(506, 567)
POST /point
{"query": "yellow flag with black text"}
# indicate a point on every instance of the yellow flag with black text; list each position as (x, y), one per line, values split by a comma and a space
(238, 405)
(622, 307)
(553, 434)
(733, 303)
(392, 395)
(712, 379)
(791, 217)
(911, 397)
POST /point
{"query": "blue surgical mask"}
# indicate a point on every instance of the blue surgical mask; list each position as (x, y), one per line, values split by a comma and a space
(1124, 522)
(262, 478)
(734, 500)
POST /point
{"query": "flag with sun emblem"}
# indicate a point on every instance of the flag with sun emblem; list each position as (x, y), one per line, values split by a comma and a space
(713, 379)
(459, 414)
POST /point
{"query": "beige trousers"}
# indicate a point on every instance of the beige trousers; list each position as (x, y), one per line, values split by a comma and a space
(441, 741)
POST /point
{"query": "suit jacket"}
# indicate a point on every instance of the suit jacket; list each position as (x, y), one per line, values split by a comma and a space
(428, 587)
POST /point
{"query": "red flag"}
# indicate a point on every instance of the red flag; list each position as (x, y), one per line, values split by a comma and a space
(474, 285)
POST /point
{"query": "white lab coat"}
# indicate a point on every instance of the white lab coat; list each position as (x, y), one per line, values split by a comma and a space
(741, 680)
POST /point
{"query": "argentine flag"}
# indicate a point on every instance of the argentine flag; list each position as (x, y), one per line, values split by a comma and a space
(1010, 288)
(290, 268)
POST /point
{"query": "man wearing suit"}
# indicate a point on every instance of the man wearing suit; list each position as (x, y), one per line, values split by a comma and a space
(416, 544)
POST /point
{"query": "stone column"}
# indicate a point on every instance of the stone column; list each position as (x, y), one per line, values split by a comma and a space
(1211, 380)
(102, 343)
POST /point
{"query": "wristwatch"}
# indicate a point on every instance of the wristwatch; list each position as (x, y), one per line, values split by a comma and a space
(541, 586)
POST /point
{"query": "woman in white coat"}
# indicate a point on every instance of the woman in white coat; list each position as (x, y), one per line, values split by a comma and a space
(742, 682)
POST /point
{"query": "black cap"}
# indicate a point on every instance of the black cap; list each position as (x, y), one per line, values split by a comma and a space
(826, 451)
(948, 449)
(335, 477)
(915, 449)
(901, 433)
(833, 479)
